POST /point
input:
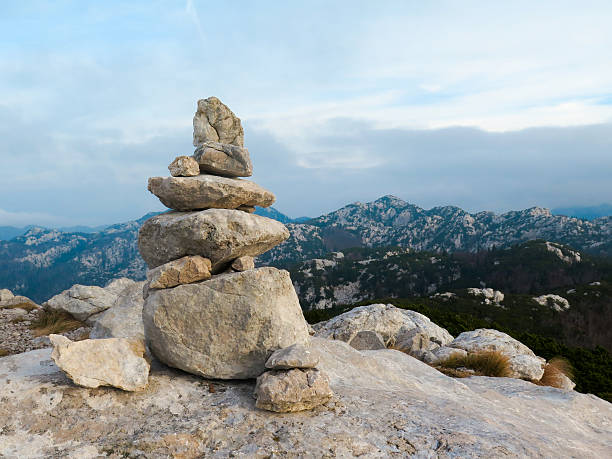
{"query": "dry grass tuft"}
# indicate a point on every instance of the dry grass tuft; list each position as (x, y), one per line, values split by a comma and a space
(26, 305)
(555, 369)
(3, 352)
(49, 322)
(492, 363)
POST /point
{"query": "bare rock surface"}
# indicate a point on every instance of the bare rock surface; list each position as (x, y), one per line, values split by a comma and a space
(185, 270)
(184, 166)
(386, 404)
(223, 159)
(209, 191)
(294, 356)
(124, 318)
(225, 327)
(116, 362)
(292, 390)
(215, 121)
(367, 340)
(243, 263)
(523, 362)
(220, 235)
(387, 320)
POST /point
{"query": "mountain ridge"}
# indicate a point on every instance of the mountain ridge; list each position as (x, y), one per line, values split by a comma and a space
(43, 262)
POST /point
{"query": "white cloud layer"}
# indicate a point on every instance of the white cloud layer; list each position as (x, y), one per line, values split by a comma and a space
(95, 97)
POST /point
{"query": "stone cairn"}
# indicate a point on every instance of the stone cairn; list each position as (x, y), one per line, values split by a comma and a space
(208, 310)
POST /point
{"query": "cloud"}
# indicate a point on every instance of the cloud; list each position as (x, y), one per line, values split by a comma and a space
(439, 103)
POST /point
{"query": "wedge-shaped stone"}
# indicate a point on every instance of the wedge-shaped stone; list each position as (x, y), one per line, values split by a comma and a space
(186, 270)
(243, 263)
(208, 191)
(116, 362)
(224, 159)
(215, 121)
(225, 327)
(293, 390)
(184, 166)
(220, 235)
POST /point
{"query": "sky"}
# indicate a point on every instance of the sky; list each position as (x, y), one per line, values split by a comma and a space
(483, 105)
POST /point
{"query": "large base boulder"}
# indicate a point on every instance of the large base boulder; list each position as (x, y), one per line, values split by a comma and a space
(117, 362)
(226, 327)
(221, 235)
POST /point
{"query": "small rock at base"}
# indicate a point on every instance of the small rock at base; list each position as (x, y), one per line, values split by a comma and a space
(243, 263)
(116, 362)
(294, 356)
(367, 340)
(293, 390)
(184, 166)
(185, 270)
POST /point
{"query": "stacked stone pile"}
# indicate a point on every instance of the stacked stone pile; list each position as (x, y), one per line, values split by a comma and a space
(293, 383)
(208, 310)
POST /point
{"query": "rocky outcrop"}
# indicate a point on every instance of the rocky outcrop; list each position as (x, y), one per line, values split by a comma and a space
(116, 362)
(216, 122)
(555, 302)
(225, 327)
(523, 362)
(489, 295)
(293, 390)
(220, 235)
(185, 270)
(387, 320)
(209, 191)
(85, 302)
(223, 159)
(184, 166)
(386, 404)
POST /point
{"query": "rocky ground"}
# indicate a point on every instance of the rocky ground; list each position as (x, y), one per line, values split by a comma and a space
(386, 404)
(16, 335)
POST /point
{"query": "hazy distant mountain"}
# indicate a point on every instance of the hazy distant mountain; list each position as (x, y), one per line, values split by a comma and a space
(585, 212)
(274, 214)
(10, 232)
(43, 262)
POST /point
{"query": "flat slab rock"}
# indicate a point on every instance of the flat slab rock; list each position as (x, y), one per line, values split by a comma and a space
(226, 327)
(116, 362)
(294, 356)
(386, 404)
(209, 191)
(185, 270)
(220, 235)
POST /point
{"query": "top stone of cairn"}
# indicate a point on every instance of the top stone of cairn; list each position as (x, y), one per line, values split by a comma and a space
(214, 121)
